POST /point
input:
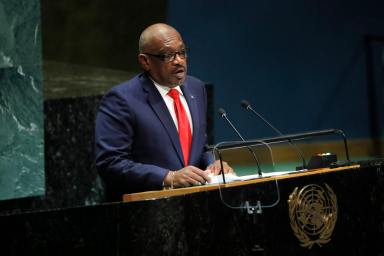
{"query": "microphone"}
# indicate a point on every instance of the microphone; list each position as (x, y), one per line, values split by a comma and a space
(223, 114)
(247, 106)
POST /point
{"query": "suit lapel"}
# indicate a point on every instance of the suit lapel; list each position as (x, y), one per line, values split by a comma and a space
(193, 109)
(158, 106)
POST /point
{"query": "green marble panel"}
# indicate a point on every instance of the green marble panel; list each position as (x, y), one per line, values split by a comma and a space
(21, 100)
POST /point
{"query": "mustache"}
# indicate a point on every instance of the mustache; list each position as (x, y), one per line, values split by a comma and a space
(179, 68)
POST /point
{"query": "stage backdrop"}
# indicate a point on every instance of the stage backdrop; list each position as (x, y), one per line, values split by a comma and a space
(300, 63)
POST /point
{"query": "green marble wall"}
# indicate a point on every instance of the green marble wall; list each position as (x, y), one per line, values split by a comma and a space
(21, 100)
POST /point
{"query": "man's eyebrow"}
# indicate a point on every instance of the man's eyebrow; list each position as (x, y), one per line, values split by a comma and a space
(168, 48)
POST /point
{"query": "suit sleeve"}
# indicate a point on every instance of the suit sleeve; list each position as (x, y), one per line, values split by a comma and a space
(114, 137)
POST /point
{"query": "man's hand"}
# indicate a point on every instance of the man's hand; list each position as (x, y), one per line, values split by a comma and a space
(216, 167)
(186, 177)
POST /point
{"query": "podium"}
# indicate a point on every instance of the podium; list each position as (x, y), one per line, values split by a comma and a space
(151, 195)
(340, 211)
(319, 212)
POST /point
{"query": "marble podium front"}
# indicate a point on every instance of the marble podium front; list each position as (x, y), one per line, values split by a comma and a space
(201, 224)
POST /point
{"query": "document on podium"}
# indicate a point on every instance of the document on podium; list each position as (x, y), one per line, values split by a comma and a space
(230, 177)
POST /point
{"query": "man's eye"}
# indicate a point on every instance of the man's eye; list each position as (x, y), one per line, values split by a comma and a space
(168, 55)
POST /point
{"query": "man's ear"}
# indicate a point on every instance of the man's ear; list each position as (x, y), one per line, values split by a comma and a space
(144, 62)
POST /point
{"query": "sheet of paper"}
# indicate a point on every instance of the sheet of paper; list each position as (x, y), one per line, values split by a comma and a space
(229, 177)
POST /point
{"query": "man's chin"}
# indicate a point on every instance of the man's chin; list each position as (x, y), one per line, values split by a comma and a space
(177, 82)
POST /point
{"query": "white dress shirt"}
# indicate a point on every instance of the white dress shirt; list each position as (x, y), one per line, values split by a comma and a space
(163, 90)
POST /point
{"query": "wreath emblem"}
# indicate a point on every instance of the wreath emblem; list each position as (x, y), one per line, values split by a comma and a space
(313, 214)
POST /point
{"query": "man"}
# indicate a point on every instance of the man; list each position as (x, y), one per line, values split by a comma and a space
(151, 130)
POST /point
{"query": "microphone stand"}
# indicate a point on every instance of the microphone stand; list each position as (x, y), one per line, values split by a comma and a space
(245, 104)
(223, 114)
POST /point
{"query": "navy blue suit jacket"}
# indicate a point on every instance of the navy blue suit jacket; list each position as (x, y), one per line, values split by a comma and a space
(137, 142)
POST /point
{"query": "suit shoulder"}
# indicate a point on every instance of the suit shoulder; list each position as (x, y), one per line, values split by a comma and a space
(126, 87)
(131, 90)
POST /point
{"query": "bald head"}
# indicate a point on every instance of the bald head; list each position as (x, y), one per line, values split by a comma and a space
(154, 33)
(163, 55)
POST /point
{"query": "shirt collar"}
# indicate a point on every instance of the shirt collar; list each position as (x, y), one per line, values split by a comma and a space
(165, 89)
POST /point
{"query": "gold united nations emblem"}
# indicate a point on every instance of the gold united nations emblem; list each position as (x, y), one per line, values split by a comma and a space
(313, 214)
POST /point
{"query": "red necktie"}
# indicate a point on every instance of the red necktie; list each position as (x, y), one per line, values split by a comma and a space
(182, 123)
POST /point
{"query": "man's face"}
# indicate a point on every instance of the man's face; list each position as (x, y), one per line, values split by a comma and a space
(166, 59)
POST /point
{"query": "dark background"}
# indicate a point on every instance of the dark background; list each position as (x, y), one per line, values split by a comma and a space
(301, 63)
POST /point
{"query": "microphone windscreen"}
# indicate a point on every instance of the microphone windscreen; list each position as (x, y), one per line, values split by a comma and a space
(222, 112)
(245, 104)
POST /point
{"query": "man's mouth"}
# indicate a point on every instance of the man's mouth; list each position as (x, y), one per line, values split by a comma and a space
(180, 73)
